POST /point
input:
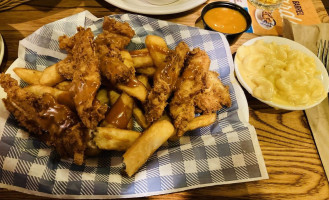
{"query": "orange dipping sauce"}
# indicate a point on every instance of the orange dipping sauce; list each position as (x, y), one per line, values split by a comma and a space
(225, 20)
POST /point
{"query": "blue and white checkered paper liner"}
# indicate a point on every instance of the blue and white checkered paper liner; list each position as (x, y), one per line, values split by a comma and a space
(225, 152)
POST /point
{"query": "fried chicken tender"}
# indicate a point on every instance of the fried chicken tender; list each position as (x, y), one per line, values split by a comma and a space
(215, 96)
(190, 84)
(86, 77)
(115, 37)
(66, 67)
(164, 81)
(54, 123)
(113, 68)
(116, 33)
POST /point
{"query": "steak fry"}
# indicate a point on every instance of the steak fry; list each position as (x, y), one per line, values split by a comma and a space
(190, 84)
(54, 123)
(164, 81)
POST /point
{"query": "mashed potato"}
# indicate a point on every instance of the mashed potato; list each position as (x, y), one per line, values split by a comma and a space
(279, 74)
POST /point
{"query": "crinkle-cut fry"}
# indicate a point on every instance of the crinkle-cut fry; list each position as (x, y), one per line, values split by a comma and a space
(148, 71)
(102, 96)
(157, 48)
(140, 117)
(30, 76)
(114, 139)
(51, 76)
(152, 138)
(141, 58)
(144, 79)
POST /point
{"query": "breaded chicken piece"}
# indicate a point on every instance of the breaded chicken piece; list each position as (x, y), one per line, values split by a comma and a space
(164, 82)
(54, 123)
(86, 79)
(112, 65)
(115, 37)
(191, 83)
(66, 67)
(116, 34)
(215, 96)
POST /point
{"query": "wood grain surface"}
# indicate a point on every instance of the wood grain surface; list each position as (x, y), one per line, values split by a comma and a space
(295, 170)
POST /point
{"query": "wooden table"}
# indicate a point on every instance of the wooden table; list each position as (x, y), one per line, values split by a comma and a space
(291, 157)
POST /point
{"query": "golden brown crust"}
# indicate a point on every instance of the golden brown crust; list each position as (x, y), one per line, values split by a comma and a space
(124, 30)
(191, 83)
(86, 79)
(115, 37)
(54, 123)
(215, 96)
(66, 67)
(164, 82)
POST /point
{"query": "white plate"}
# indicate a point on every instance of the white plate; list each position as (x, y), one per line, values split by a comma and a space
(2, 49)
(293, 45)
(143, 7)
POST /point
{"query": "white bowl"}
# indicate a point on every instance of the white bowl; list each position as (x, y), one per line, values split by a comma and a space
(293, 45)
(161, 2)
